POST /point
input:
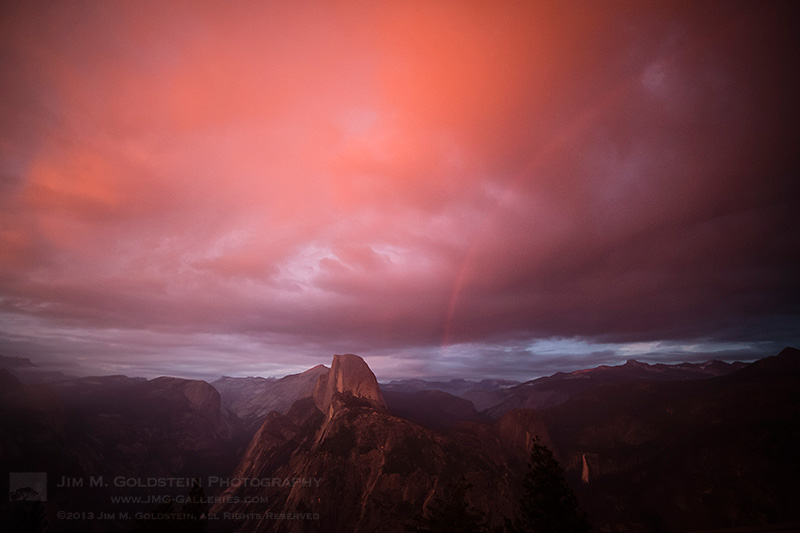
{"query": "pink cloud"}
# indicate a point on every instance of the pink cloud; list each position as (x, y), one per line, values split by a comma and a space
(381, 178)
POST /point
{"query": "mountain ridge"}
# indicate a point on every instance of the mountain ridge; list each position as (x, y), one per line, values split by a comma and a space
(349, 375)
(550, 391)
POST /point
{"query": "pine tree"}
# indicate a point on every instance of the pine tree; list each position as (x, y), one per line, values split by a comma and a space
(548, 504)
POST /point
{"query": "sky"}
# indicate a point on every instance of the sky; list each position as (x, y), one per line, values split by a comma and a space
(448, 189)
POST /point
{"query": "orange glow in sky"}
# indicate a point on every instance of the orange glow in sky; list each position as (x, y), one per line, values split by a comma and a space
(199, 187)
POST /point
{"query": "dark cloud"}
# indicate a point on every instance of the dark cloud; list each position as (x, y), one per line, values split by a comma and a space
(440, 187)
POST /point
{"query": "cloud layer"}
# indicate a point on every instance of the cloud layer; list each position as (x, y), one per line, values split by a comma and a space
(441, 186)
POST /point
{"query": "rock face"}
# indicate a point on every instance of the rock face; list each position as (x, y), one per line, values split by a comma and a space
(357, 468)
(119, 424)
(518, 429)
(252, 399)
(200, 395)
(677, 453)
(349, 376)
(114, 426)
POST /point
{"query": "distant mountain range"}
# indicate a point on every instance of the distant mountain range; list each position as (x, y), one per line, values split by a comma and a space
(15, 362)
(456, 387)
(645, 447)
(495, 397)
(24, 370)
(561, 387)
(253, 398)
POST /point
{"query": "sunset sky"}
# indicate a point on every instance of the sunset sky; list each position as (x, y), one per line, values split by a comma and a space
(449, 189)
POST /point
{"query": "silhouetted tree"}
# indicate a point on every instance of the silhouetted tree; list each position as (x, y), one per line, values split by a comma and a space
(548, 504)
(450, 513)
(23, 494)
